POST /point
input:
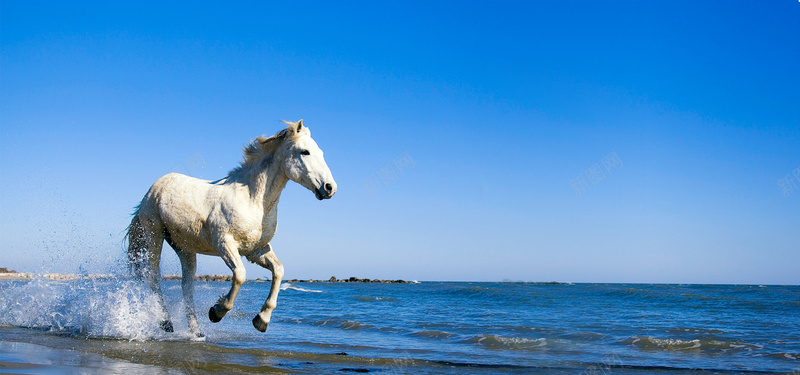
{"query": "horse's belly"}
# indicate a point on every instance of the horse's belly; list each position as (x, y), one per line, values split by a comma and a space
(194, 243)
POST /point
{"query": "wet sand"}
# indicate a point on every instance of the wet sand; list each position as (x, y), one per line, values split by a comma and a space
(26, 358)
(26, 351)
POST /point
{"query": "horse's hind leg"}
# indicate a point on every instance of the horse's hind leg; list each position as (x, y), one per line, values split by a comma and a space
(266, 258)
(154, 280)
(152, 274)
(188, 269)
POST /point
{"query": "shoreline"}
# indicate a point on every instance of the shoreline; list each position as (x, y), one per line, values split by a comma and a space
(13, 275)
(23, 350)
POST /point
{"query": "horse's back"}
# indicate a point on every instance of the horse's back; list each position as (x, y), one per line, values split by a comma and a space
(194, 211)
(179, 203)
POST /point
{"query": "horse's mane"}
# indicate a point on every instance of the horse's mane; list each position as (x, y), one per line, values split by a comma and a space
(263, 145)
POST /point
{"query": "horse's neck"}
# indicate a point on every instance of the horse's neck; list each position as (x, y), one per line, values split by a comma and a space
(265, 181)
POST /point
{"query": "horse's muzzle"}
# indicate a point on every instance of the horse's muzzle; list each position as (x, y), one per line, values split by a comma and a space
(326, 191)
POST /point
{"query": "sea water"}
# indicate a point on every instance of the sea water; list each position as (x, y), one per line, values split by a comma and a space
(428, 327)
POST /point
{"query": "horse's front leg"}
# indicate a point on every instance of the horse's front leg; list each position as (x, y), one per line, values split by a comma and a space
(266, 258)
(228, 250)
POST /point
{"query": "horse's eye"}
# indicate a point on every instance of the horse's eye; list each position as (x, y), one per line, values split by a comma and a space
(305, 152)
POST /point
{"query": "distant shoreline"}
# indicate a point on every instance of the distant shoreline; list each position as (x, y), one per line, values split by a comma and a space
(6, 274)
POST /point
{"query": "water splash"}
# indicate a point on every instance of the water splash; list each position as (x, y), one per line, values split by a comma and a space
(119, 308)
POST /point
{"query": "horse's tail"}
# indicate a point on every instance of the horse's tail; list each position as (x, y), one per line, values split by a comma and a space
(137, 247)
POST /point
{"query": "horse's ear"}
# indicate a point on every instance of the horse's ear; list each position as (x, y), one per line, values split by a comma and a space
(295, 127)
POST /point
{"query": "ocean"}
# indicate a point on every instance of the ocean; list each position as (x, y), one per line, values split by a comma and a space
(110, 326)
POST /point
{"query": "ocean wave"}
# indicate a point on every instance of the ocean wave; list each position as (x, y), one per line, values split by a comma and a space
(337, 323)
(649, 343)
(498, 342)
(639, 293)
(704, 331)
(585, 336)
(478, 291)
(697, 296)
(434, 334)
(288, 286)
(348, 324)
(784, 356)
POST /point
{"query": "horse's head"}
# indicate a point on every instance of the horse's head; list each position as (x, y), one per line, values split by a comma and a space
(304, 163)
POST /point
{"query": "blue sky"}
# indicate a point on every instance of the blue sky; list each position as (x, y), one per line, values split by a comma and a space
(510, 112)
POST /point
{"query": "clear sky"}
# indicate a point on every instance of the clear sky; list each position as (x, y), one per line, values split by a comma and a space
(582, 141)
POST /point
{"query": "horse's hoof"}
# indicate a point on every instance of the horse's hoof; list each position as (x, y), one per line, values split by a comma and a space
(212, 315)
(166, 325)
(260, 324)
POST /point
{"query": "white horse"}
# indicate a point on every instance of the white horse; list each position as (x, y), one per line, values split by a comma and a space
(230, 218)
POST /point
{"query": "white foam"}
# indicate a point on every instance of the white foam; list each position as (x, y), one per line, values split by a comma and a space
(501, 342)
(288, 286)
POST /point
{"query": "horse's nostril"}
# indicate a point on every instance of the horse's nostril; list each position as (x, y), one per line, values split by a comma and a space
(328, 188)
